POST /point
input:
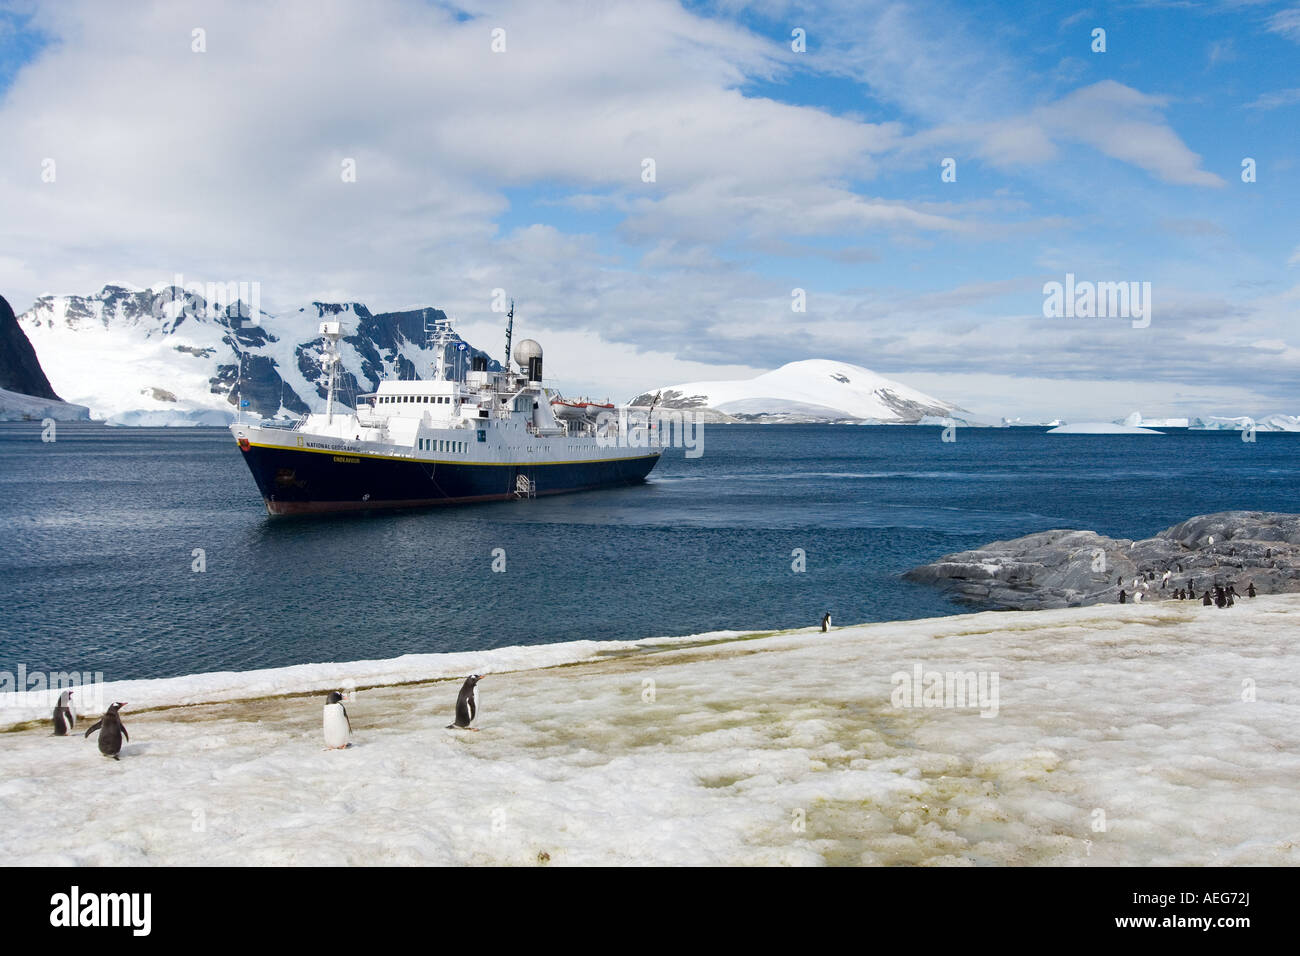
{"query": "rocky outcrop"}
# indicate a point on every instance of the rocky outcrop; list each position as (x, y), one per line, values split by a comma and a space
(1062, 568)
(20, 371)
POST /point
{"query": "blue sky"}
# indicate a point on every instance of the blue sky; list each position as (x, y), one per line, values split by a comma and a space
(775, 170)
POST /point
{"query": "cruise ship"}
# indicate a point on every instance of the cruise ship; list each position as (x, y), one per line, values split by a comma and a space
(458, 437)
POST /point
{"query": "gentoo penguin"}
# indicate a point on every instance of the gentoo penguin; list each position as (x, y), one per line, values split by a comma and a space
(65, 718)
(110, 730)
(826, 622)
(467, 704)
(338, 728)
(1123, 598)
(1165, 580)
(1137, 597)
(1205, 599)
(1250, 589)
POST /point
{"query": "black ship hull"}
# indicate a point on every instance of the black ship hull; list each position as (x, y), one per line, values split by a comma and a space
(299, 481)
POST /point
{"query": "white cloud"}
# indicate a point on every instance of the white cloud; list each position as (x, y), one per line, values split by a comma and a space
(1287, 23)
(1271, 101)
(1116, 120)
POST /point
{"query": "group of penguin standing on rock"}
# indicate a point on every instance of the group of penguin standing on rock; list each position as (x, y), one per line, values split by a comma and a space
(1222, 597)
(338, 727)
(337, 724)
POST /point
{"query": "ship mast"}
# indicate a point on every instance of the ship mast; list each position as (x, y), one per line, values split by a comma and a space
(439, 335)
(510, 330)
(332, 332)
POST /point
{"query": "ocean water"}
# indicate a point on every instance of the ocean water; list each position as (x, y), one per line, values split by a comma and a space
(98, 532)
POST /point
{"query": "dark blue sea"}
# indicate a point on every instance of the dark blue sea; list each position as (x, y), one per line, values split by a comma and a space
(98, 532)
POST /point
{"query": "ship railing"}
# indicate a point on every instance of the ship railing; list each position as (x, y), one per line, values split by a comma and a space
(289, 425)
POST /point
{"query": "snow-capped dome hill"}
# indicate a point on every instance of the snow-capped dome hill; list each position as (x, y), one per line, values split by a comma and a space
(813, 390)
(158, 357)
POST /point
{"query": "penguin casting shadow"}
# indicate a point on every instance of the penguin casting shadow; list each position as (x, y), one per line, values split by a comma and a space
(111, 731)
(466, 704)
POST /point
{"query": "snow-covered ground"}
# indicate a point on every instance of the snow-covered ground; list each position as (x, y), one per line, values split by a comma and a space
(1163, 733)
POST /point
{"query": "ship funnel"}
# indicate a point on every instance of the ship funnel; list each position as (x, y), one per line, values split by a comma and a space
(478, 363)
(529, 356)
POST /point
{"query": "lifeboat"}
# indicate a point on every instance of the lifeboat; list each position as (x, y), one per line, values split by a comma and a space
(579, 409)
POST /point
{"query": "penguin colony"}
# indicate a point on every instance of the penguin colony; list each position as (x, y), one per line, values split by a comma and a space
(1220, 596)
(336, 724)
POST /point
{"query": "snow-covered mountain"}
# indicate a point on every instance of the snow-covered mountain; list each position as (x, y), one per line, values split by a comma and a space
(160, 356)
(813, 390)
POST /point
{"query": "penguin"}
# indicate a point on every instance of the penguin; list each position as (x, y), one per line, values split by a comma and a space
(1250, 589)
(1137, 597)
(826, 622)
(111, 731)
(1165, 580)
(1205, 600)
(338, 726)
(467, 704)
(1123, 598)
(65, 717)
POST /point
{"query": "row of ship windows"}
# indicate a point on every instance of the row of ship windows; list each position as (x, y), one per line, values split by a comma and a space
(426, 399)
(441, 444)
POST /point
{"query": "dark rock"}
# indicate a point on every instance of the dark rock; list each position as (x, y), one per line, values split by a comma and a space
(1063, 568)
(20, 370)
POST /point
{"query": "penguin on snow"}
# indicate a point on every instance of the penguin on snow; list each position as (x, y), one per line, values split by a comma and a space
(65, 716)
(466, 704)
(337, 725)
(111, 731)
(826, 622)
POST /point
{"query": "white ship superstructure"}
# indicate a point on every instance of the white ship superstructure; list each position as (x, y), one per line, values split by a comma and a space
(457, 437)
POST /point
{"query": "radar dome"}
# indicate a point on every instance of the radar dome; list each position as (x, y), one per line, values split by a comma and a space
(526, 350)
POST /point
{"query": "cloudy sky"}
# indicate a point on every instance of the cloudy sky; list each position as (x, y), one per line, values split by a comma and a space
(212, 140)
